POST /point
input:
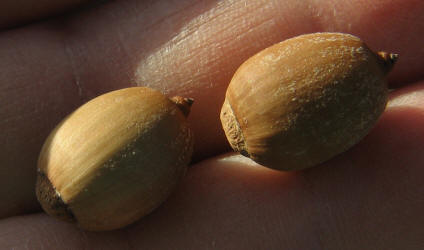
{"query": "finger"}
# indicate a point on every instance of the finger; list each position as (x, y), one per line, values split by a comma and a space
(191, 48)
(14, 13)
(38, 231)
(367, 198)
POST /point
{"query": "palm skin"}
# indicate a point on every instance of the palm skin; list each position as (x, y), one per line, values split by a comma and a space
(367, 198)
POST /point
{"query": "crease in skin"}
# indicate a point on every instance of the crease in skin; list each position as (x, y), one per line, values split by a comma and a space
(328, 14)
(76, 78)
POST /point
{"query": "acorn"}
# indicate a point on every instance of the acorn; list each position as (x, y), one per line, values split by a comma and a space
(115, 159)
(305, 100)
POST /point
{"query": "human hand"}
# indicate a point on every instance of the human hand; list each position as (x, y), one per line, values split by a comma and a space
(370, 197)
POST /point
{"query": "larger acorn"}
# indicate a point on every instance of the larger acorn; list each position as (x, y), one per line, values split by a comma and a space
(115, 159)
(300, 102)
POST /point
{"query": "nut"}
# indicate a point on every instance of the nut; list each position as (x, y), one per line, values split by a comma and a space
(115, 159)
(300, 102)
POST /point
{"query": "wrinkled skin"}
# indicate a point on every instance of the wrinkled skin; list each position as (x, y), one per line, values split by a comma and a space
(370, 197)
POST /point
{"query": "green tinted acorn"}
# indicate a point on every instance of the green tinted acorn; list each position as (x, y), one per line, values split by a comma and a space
(115, 159)
(300, 102)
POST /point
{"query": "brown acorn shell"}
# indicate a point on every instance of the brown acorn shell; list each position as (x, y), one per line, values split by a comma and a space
(114, 159)
(300, 102)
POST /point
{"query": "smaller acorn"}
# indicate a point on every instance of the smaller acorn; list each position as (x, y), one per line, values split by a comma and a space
(305, 100)
(115, 159)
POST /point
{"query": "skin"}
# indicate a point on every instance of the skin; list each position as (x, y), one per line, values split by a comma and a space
(15, 13)
(370, 197)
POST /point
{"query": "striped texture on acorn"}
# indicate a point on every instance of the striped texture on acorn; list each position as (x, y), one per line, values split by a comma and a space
(115, 159)
(300, 102)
